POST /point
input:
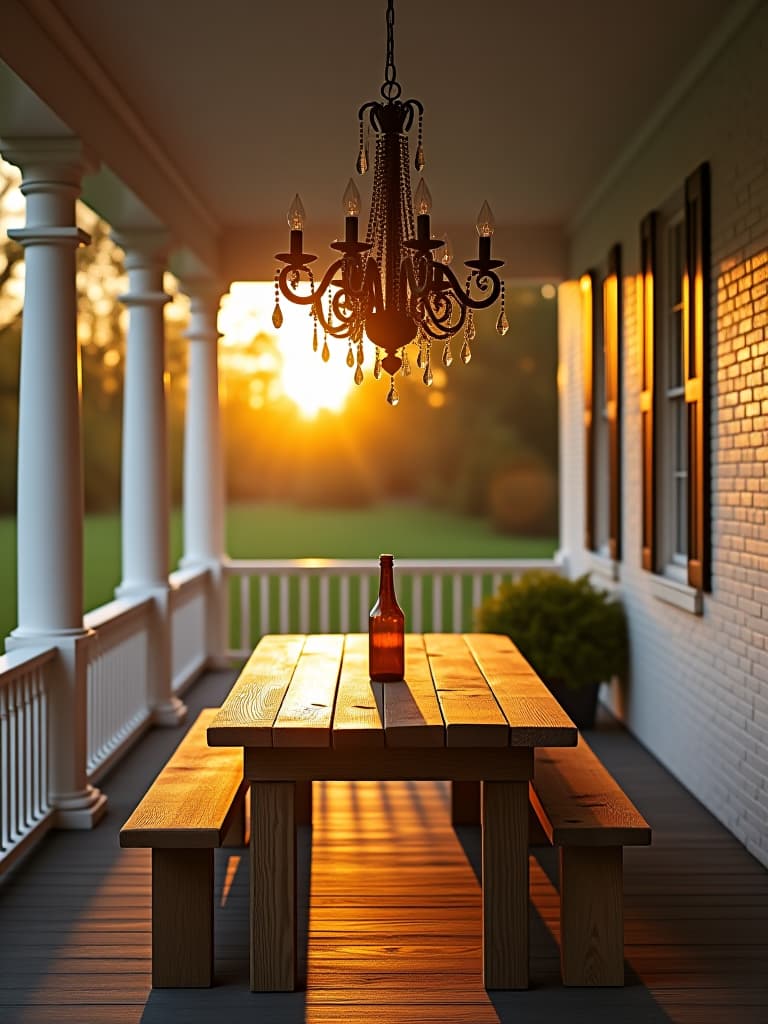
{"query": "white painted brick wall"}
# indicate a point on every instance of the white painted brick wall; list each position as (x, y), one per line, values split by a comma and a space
(698, 694)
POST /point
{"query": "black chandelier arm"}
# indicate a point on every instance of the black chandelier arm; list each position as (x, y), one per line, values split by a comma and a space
(483, 280)
(438, 322)
(306, 300)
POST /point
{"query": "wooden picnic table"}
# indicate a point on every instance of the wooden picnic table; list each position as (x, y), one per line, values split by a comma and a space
(470, 708)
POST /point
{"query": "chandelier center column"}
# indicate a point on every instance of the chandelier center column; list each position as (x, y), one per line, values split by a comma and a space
(145, 485)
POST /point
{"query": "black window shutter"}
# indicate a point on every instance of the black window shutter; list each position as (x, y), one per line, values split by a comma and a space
(588, 285)
(649, 269)
(612, 314)
(696, 356)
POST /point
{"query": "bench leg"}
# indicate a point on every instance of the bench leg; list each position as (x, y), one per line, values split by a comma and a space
(182, 918)
(303, 803)
(591, 915)
(505, 884)
(273, 887)
(465, 803)
(237, 834)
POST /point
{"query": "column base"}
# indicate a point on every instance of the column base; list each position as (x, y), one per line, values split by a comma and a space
(81, 810)
(170, 713)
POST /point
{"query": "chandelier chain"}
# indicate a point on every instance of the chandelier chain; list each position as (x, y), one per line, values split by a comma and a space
(390, 90)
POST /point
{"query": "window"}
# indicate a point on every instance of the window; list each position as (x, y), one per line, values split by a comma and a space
(674, 392)
(601, 317)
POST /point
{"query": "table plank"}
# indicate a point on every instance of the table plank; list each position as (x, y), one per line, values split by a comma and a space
(304, 719)
(534, 715)
(412, 716)
(358, 719)
(472, 716)
(247, 715)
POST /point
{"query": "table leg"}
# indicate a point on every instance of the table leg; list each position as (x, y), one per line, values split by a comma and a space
(505, 884)
(273, 887)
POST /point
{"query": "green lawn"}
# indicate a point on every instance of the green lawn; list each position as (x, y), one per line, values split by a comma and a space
(284, 531)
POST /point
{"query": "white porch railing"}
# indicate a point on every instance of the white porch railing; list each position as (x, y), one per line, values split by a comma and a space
(24, 746)
(315, 595)
(116, 676)
(188, 603)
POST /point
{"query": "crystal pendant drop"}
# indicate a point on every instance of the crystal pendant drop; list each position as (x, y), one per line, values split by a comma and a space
(393, 397)
(406, 364)
(466, 353)
(427, 378)
(350, 357)
(470, 330)
(502, 324)
(447, 354)
(314, 337)
(377, 366)
(277, 316)
(420, 357)
(362, 161)
(359, 353)
(359, 375)
(419, 161)
(326, 353)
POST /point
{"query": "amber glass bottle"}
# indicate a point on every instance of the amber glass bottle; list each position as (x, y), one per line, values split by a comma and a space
(386, 630)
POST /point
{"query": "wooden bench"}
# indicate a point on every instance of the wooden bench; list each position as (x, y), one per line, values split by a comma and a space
(584, 812)
(195, 804)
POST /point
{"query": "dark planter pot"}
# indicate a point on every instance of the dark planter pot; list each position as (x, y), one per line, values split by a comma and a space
(580, 705)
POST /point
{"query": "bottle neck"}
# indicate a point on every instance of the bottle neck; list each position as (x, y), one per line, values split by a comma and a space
(386, 580)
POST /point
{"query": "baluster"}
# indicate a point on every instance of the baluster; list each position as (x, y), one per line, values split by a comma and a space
(417, 601)
(45, 738)
(364, 609)
(325, 603)
(29, 818)
(284, 602)
(495, 581)
(4, 773)
(437, 603)
(13, 761)
(304, 603)
(36, 740)
(344, 603)
(265, 604)
(477, 590)
(458, 610)
(245, 613)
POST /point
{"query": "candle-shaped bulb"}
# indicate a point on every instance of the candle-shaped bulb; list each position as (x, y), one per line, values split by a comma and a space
(296, 214)
(351, 200)
(422, 200)
(486, 222)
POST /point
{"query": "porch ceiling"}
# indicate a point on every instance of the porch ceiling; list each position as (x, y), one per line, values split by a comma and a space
(241, 103)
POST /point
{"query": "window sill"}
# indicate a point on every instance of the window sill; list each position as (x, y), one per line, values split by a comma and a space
(678, 594)
(603, 570)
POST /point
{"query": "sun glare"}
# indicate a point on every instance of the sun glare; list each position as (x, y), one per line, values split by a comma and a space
(303, 376)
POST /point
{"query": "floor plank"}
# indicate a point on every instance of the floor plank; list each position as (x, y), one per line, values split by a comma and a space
(390, 915)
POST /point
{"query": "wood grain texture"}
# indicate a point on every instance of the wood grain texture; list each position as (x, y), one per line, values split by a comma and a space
(591, 916)
(358, 719)
(194, 797)
(305, 716)
(579, 803)
(505, 885)
(247, 715)
(535, 718)
(412, 716)
(182, 918)
(387, 763)
(472, 716)
(273, 887)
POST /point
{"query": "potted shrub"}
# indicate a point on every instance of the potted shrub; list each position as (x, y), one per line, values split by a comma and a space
(574, 635)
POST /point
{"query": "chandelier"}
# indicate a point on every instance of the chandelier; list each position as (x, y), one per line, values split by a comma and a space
(397, 286)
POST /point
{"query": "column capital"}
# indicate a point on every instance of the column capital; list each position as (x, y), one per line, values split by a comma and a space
(146, 259)
(204, 299)
(56, 161)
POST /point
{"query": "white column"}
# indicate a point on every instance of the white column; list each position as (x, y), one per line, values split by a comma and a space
(145, 487)
(571, 426)
(203, 459)
(50, 479)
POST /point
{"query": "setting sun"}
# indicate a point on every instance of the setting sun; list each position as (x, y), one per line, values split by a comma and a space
(301, 374)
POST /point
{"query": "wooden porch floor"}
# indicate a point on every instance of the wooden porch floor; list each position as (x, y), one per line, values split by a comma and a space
(391, 915)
